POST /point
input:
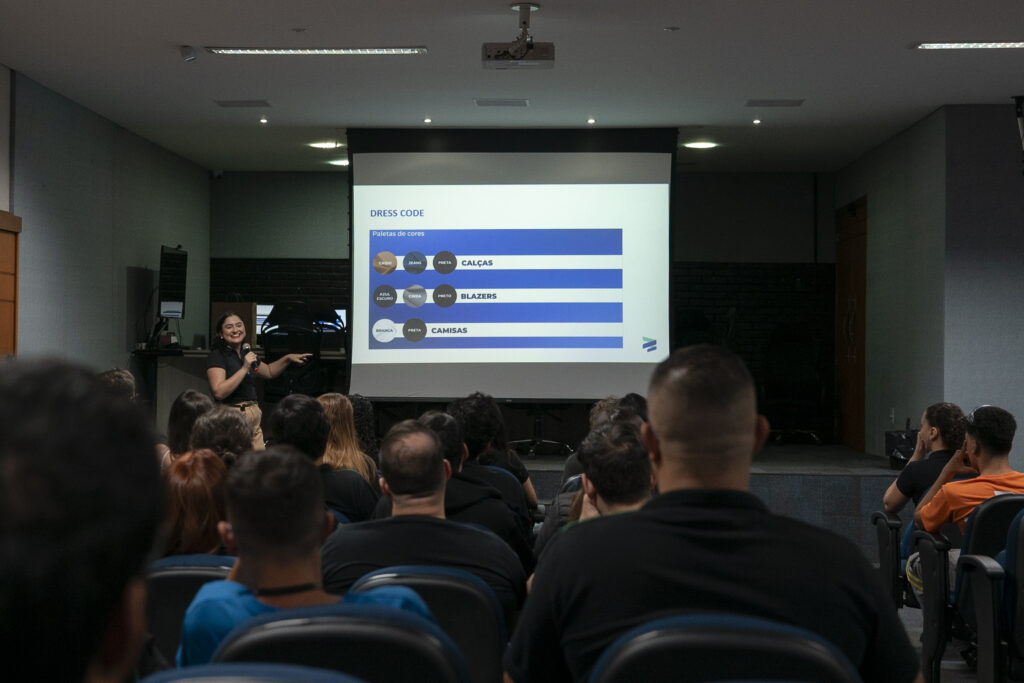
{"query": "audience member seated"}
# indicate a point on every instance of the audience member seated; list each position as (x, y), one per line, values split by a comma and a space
(600, 414)
(942, 432)
(366, 425)
(498, 454)
(80, 505)
(275, 524)
(225, 431)
(119, 382)
(342, 451)
(988, 440)
(195, 503)
(301, 422)
(466, 499)
(480, 421)
(705, 543)
(185, 410)
(413, 475)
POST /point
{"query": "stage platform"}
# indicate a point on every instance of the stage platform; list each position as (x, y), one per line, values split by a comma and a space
(830, 486)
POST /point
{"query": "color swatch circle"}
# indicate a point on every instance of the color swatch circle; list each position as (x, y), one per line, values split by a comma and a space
(414, 262)
(444, 295)
(385, 296)
(414, 330)
(445, 262)
(384, 330)
(385, 263)
(414, 296)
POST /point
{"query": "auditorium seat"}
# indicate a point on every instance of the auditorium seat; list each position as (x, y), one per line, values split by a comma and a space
(997, 598)
(465, 608)
(171, 584)
(944, 610)
(378, 644)
(893, 549)
(250, 673)
(721, 647)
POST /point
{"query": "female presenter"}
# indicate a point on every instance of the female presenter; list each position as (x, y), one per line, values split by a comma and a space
(230, 369)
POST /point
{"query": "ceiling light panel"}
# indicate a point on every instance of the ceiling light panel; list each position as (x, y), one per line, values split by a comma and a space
(234, 51)
(969, 46)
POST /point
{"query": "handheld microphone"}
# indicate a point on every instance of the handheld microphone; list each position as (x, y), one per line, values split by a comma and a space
(246, 349)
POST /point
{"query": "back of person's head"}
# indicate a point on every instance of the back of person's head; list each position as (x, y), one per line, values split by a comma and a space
(480, 419)
(80, 504)
(616, 462)
(366, 424)
(702, 404)
(275, 504)
(411, 462)
(223, 430)
(449, 433)
(602, 410)
(195, 502)
(949, 420)
(636, 403)
(120, 382)
(185, 410)
(300, 421)
(342, 451)
(993, 428)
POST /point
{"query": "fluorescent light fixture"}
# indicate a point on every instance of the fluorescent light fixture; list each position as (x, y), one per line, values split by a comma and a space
(417, 50)
(969, 46)
(427, 120)
(327, 144)
(591, 120)
(263, 119)
(339, 162)
(757, 122)
(700, 144)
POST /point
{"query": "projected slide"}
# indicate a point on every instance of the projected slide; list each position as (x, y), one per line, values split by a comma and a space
(499, 288)
(545, 273)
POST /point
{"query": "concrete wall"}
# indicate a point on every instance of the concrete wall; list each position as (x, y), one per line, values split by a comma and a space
(984, 268)
(97, 203)
(5, 139)
(750, 218)
(904, 180)
(280, 215)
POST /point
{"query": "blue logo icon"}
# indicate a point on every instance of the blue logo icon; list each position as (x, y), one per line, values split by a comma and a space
(650, 344)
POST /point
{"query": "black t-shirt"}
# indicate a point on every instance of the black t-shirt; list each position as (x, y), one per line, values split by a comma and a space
(231, 362)
(720, 551)
(918, 476)
(506, 460)
(354, 550)
(347, 492)
(511, 490)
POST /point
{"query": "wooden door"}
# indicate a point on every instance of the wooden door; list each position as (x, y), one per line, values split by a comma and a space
(10, 227)
(851, 287)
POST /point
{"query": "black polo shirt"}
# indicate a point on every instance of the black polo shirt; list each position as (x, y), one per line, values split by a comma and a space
(354, 550)
(918, 476)
(229, 360)
(701, 550)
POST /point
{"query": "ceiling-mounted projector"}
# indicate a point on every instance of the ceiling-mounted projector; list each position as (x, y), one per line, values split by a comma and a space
(521, 53)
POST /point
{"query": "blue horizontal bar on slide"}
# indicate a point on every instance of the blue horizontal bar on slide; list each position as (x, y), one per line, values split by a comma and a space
(502, 343)
(505, 313)
(598, 278)
(493, 242)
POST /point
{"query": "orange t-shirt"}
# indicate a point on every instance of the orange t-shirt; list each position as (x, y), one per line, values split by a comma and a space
(957, 499)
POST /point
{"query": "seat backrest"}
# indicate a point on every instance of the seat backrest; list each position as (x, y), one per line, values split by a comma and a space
(248, 673)
(380, 644)
(985, 531)
(1013, 588)
(721, 647)
(465, 608)
(171, 583)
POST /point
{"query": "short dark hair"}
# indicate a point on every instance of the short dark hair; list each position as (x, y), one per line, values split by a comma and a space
(949, 420)
(119, 381)
(185, 410)
(616, 461)
(412, 467)
(223, 430)
(366, 425)
(993, 428)
(449, 433)
(481, 421)
(602, 411)
(636, 403)
(80, 504)
(300, 421)
(275, 502)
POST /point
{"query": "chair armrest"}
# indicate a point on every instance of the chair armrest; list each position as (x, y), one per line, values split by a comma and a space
(979, 603)
(887, 532)
(890, 519)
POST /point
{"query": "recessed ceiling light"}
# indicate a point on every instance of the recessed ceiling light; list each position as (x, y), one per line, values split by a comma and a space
(427, 120)
(757, 122)
(263, 119)
(591, 120)
(417, 50)
(327, 144)
(339, 162)
(671, 29)
(700, 144)
(968, 46)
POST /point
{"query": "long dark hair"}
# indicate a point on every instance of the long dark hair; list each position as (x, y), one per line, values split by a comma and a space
(185, 410)
(217, 341)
